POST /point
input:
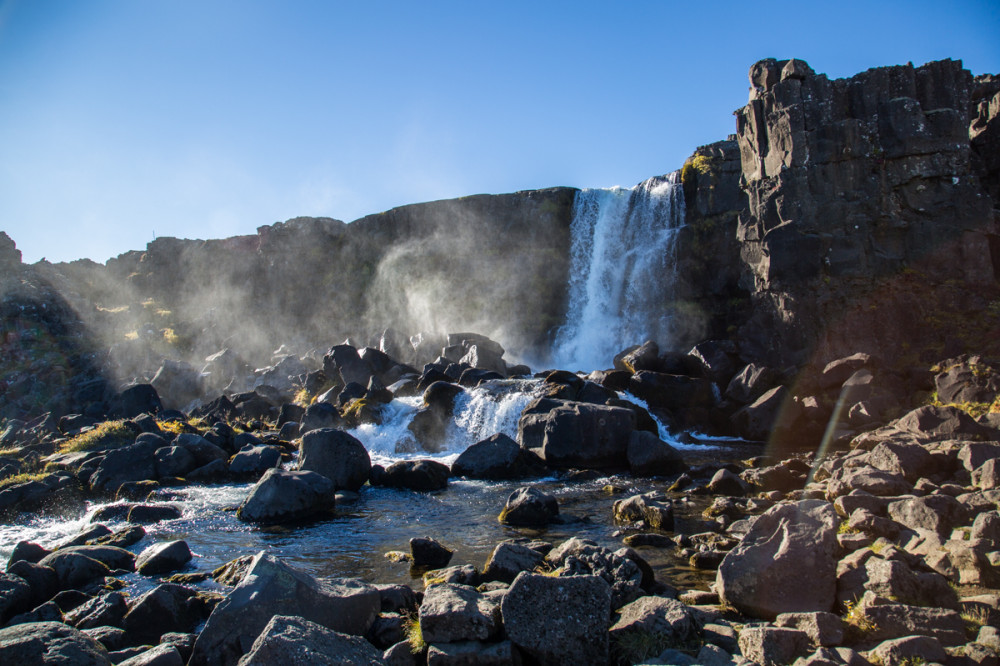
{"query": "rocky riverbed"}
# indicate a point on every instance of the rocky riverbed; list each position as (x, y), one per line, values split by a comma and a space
(587, 534)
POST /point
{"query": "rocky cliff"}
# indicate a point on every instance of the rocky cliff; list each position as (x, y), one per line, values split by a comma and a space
(868, 225)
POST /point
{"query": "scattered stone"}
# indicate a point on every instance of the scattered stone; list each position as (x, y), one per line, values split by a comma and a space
(294, 640)
(509, 559)
(451, 613)
(427, 553)
(773, 646)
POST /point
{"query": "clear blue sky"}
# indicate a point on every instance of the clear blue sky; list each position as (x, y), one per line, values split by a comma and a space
(203, 119)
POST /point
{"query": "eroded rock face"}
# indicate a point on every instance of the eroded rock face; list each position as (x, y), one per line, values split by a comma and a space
(850, 181)
(789, 543)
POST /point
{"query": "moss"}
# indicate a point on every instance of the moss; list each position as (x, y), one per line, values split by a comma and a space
(107, 435)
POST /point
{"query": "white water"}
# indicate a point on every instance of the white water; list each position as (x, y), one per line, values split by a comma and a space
(480, 412)
(621, 271)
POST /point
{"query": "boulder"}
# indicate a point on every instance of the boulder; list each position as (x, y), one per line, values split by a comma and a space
(319, 415)
(50, 643)
(451, 613)
(163, 557)
(821, 628)
(15, 596)
(672, 393)
(653, 509)
(750, 383)
(421, 475)
(936, 513)
(104, 610)
(289, 639)
(136, 400)
(987, 475)
(496, 457)
(576, 434)
(622, 569)
(74, 569)
(174, 461)
(336, 455)
(559, 620)
(283, 496)
(253, 461)
(756, 420)
(129, 463)
(428, 553)
(472, 652)
(724, 482)
(529, 507)
(509, 559)
(158, 655)
(272, 588)
(790, 542)
(167, 608)
(911, 461)
(648, 455)
(147, 514)
(867, 479)
(890, 621)
(910, 649)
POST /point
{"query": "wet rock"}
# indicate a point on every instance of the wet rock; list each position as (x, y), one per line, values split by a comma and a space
(253, 461)
(319, 415)
(428, 553)
(89, 533)
(421, 475)
(773, 646)
(283, 496)
(653, 509)
(509, 559)
(50, 642)
(42, 580)
(336, 455)
(497, 457)
(724, 482)
(164, 609)
(560, 620)
(148, 514)
(129, 463)
(105, 610)
(293, 640)
(74, 569)
(648, 455)
(163, 557)
(15, 596)
(789, 542)
(529, 507)
(28, 552)
(272, 588)
(112, 638)
(451, 613)
(463, 574)
(576, 434)
(174, 461)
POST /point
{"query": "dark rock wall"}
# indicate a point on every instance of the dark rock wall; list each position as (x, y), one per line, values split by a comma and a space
(865, 212)
(490, 263)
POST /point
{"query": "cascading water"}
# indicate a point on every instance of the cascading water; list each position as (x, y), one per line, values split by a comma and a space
(621, 271)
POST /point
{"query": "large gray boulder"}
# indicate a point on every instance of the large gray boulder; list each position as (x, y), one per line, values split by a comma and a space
(788, 544)
(50, 643)
(136, 462)
(282, 496)
(336, 455)
(559, 620)
(271, 588)
(451, 613)
(294, 640)
(167, 608)
(529, 507)
(577, 434)
(658, 622)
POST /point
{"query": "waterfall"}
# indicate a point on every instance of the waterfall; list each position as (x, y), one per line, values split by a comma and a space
(622, 269)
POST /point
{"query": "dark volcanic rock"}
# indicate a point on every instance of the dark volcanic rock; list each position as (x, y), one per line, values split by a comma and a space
(50, 642)
(423, 475)
(529, 506)
(576, 434)
(283, 496)
(336, 455)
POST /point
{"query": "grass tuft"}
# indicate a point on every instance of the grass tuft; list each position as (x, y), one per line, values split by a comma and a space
(107, 435)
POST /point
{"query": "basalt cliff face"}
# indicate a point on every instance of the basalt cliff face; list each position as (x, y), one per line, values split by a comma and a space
(869, 224)
(844, 215)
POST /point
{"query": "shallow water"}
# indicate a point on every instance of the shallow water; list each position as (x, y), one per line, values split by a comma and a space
(354, 540)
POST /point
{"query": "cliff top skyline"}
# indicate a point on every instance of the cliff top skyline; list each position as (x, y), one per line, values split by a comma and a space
(125, 121)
